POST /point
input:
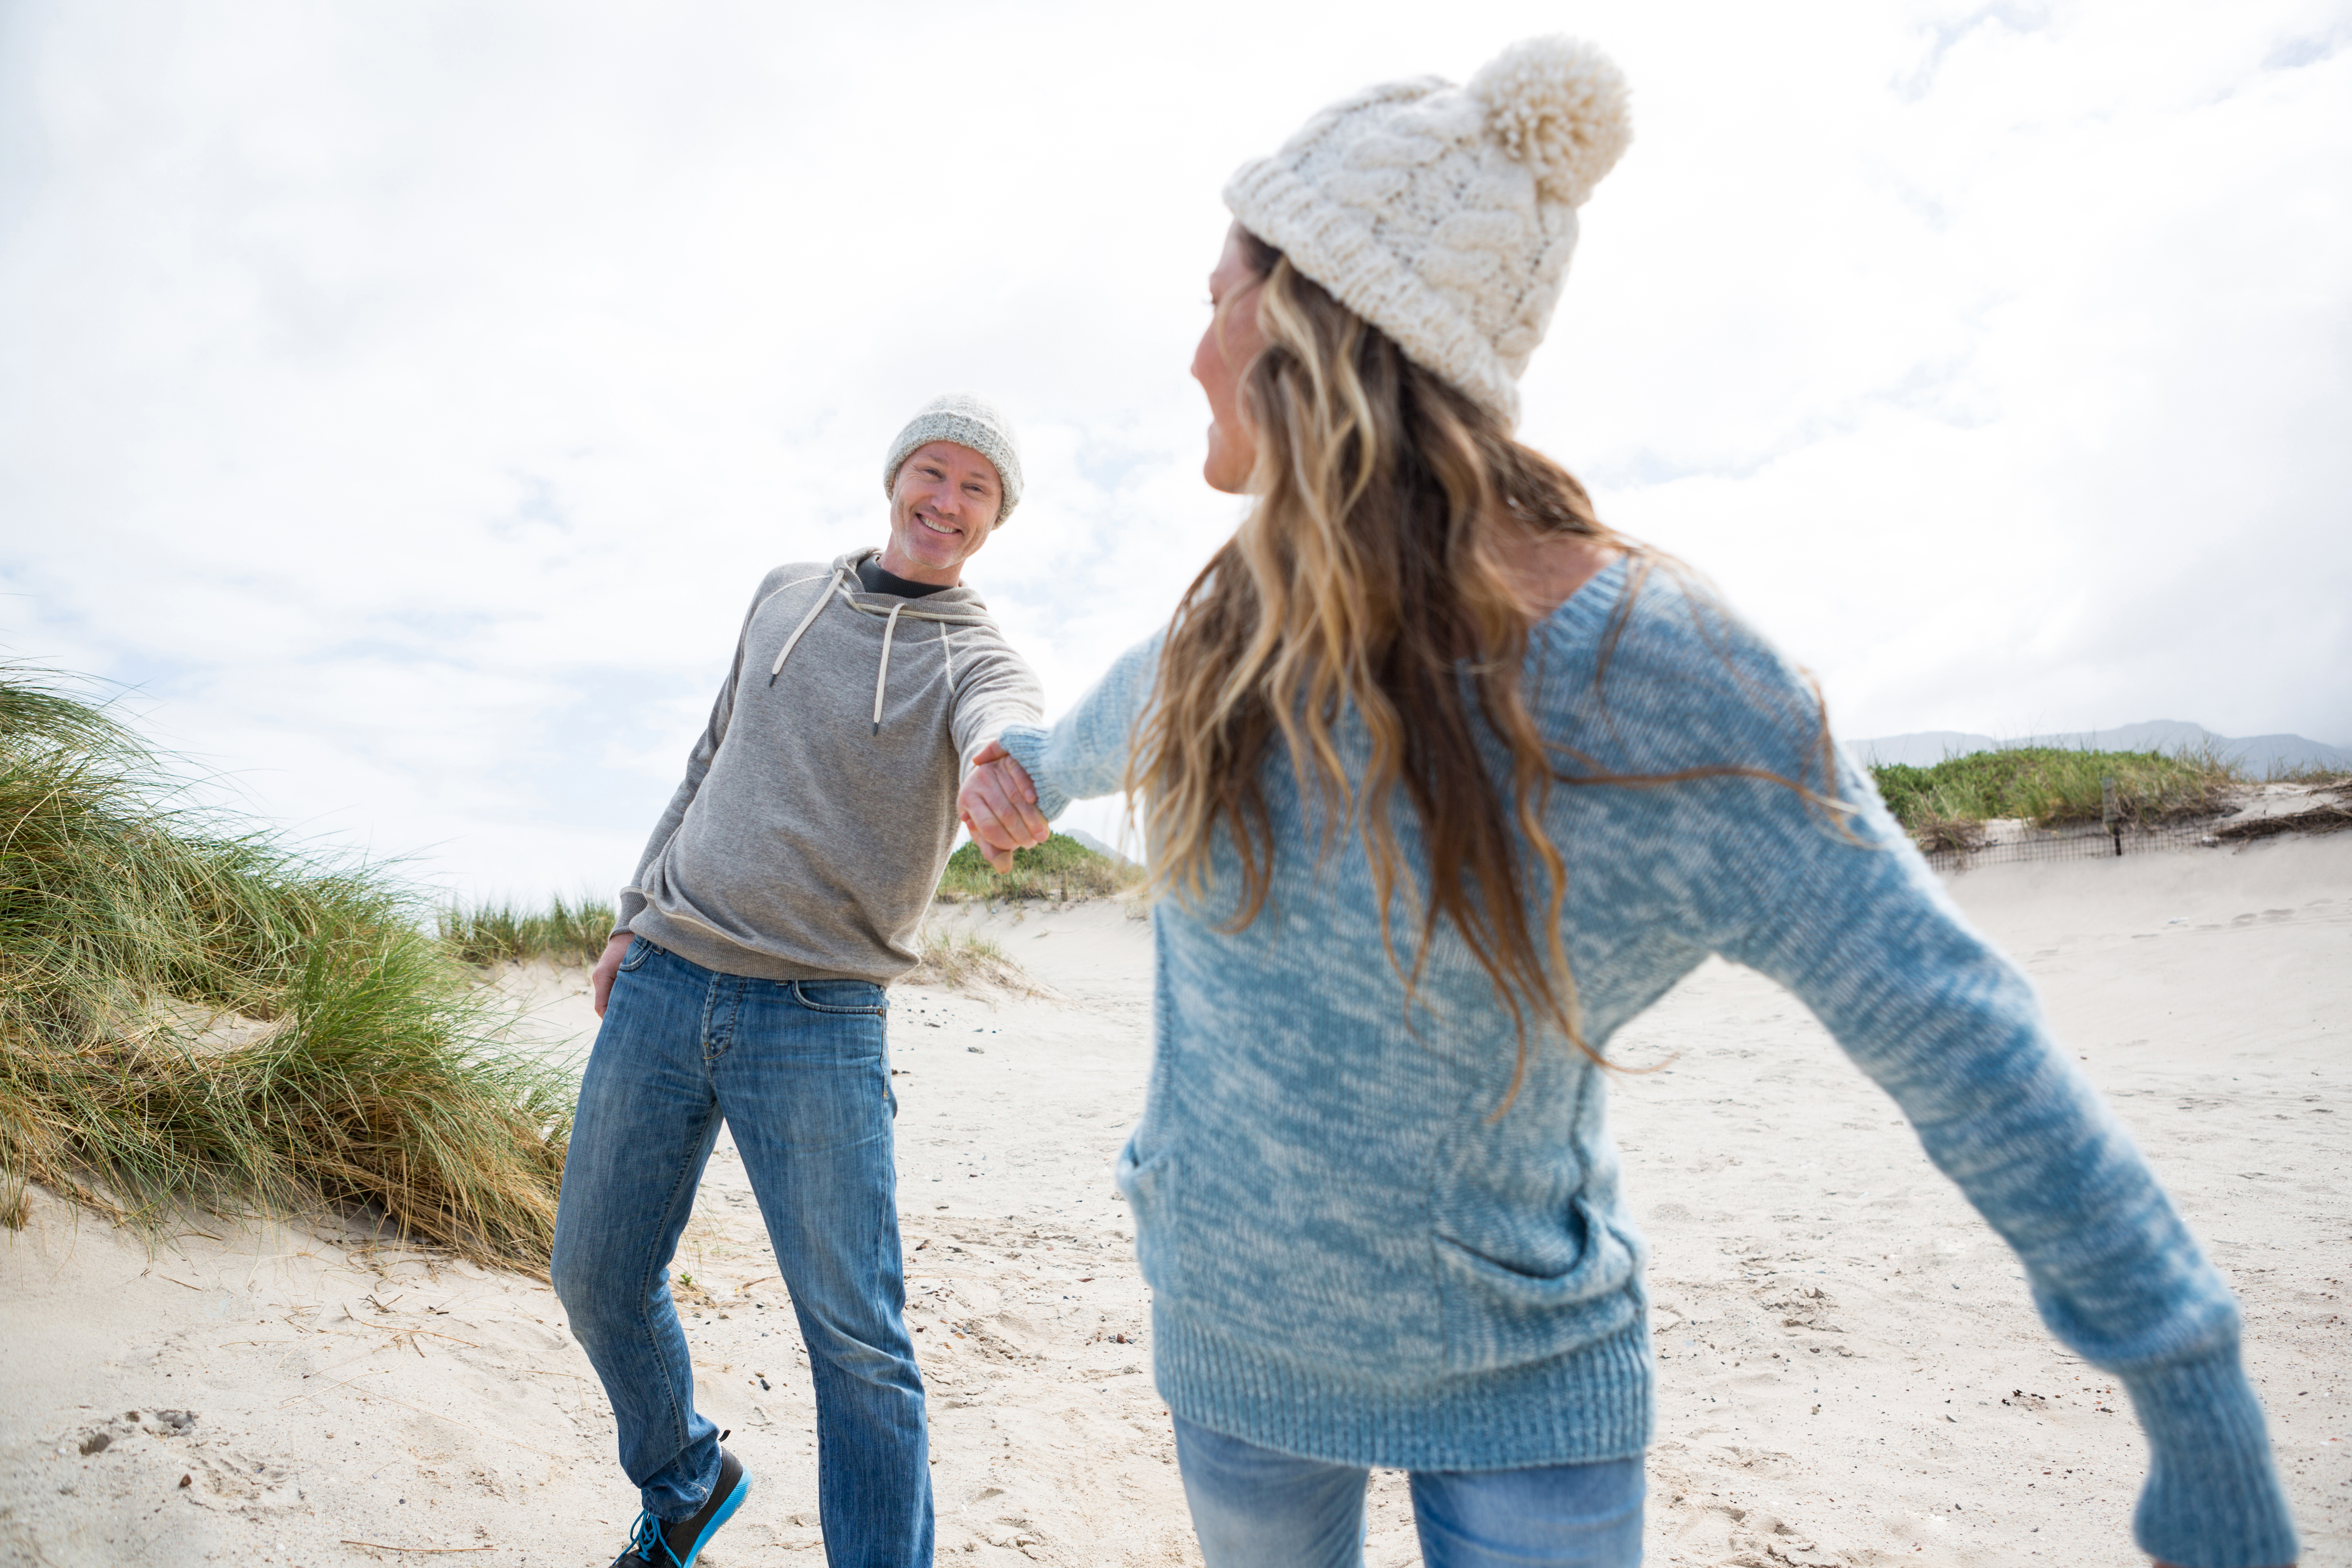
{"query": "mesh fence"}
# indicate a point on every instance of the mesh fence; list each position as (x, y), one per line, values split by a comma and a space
(2095, 844)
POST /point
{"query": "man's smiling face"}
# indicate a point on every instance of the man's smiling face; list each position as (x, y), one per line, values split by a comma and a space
(943, 505)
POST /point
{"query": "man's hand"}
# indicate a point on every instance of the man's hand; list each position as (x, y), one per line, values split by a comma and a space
(599, 979)
(999, 804)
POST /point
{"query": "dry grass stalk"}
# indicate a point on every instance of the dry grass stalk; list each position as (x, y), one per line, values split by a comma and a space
(1939, 835)
(963, 961)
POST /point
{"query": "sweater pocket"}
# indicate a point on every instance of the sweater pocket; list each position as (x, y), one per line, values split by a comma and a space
(1574, 1285)
(1150, 1188)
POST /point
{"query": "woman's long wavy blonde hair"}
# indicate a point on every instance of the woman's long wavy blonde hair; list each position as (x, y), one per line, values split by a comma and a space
(1371, 575)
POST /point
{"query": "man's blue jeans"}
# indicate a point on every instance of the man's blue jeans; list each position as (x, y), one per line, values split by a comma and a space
(800, 1073)
(1256, 1508)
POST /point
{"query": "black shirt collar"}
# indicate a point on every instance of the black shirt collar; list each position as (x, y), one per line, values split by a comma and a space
(873, 580)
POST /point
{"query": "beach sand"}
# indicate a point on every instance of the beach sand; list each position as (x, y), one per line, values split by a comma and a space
(1850, 1370)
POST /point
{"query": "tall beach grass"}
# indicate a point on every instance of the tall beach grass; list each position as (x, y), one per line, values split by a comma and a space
(566, 931)
(194, 1012)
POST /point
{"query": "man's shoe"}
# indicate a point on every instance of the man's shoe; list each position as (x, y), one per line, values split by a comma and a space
(654, 1544)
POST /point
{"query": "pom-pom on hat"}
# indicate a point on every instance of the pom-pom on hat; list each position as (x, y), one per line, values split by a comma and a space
(969, 420)
(1445, 215)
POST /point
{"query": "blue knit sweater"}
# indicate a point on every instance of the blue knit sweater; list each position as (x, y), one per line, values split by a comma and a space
(1353, 1258)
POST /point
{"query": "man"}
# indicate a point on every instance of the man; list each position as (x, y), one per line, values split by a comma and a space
(779, 895)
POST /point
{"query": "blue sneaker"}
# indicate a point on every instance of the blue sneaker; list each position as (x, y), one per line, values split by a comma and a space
(654, 1544)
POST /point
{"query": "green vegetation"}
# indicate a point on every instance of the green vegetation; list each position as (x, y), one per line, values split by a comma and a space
(496, 934)
(190, 1012)
(2052, 785)
(2309, 775)
(1061, 868)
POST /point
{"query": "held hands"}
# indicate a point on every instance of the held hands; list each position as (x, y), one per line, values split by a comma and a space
(999, 804)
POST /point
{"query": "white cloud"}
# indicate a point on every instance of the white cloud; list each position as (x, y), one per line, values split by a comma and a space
(407, 400)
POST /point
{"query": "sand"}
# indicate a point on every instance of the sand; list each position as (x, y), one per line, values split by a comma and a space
(1850, 1371)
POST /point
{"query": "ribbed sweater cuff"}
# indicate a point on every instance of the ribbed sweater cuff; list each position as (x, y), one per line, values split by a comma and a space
(1028, 748)
(2214, 1498)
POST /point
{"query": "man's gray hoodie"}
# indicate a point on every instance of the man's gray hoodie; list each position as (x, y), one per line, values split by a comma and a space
(818, 808)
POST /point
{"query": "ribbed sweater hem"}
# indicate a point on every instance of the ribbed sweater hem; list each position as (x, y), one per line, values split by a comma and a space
(2213, 1498)
(1593, 1403)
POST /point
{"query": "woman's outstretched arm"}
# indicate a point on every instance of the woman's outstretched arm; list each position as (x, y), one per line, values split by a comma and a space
(1854, 923)
(1031, 776)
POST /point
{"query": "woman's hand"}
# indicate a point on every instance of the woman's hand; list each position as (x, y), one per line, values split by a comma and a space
(599, 979)
(999, 804)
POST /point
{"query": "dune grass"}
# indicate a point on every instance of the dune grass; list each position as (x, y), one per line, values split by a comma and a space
(962, 959)
(566, 931)
(1060, 868)
(193, 1012)
(2314, 773)
(2051, 786)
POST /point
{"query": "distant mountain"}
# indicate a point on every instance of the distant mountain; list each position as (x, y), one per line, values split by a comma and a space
(2259, 754)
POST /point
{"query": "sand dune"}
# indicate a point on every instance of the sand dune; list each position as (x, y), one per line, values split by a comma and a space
(1851, 1373)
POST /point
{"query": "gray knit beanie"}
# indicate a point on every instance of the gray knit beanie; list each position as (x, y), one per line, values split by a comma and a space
(969, 420)
(1443, 215)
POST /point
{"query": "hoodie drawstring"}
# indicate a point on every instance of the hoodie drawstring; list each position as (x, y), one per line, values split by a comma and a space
(889, 635)
(792, 641)
(882, 676)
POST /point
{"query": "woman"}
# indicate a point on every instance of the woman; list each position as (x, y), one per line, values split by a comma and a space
(1446, 783)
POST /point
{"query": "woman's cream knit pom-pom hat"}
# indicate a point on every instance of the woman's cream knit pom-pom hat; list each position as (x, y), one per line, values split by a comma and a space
(1443, 215)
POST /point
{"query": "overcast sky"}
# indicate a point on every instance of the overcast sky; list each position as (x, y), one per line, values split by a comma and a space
(404, 400)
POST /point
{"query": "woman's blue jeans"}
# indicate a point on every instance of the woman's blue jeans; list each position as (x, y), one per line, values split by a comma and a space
(1256, 1508)
(800, 1073)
